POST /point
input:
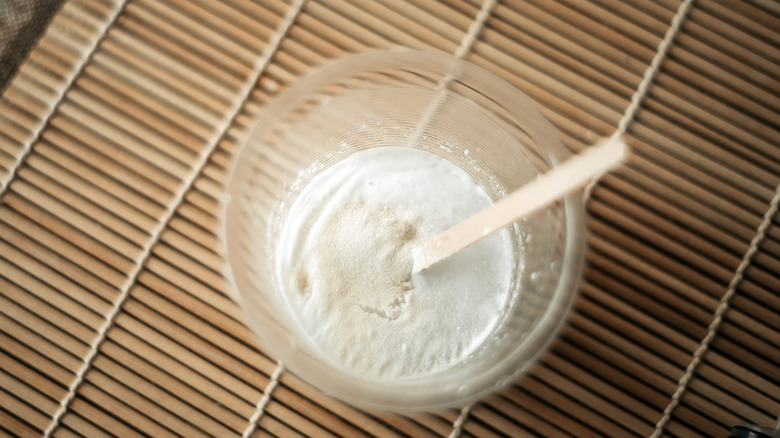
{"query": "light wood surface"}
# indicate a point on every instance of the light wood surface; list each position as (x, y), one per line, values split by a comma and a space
(116, 134)
(564, 179)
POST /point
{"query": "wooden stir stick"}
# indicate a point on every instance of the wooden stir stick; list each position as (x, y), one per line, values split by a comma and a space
(550, 187)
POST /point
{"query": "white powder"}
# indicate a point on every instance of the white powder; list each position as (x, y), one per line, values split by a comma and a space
(344, 264)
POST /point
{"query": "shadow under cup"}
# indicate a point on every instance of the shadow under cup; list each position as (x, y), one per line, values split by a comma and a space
(440, 104)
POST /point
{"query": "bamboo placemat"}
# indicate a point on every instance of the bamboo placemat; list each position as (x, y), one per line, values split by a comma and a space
(116, 133)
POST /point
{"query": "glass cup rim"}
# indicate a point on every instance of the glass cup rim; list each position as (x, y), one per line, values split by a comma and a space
(394, 395)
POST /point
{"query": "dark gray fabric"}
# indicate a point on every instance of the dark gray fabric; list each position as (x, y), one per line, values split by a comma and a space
(22, 23)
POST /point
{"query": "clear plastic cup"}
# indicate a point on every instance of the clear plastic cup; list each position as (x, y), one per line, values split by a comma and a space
(430, 101)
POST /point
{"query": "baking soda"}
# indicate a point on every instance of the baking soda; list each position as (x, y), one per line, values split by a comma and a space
(344, 264)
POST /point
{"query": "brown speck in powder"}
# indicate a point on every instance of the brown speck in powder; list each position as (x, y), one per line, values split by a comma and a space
(302, 282)
(409, 233)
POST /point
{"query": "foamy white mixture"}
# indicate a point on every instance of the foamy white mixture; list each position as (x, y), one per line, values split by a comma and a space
(344, 264)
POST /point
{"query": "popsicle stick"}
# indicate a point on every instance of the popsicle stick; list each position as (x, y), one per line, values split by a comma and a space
(562, 180)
